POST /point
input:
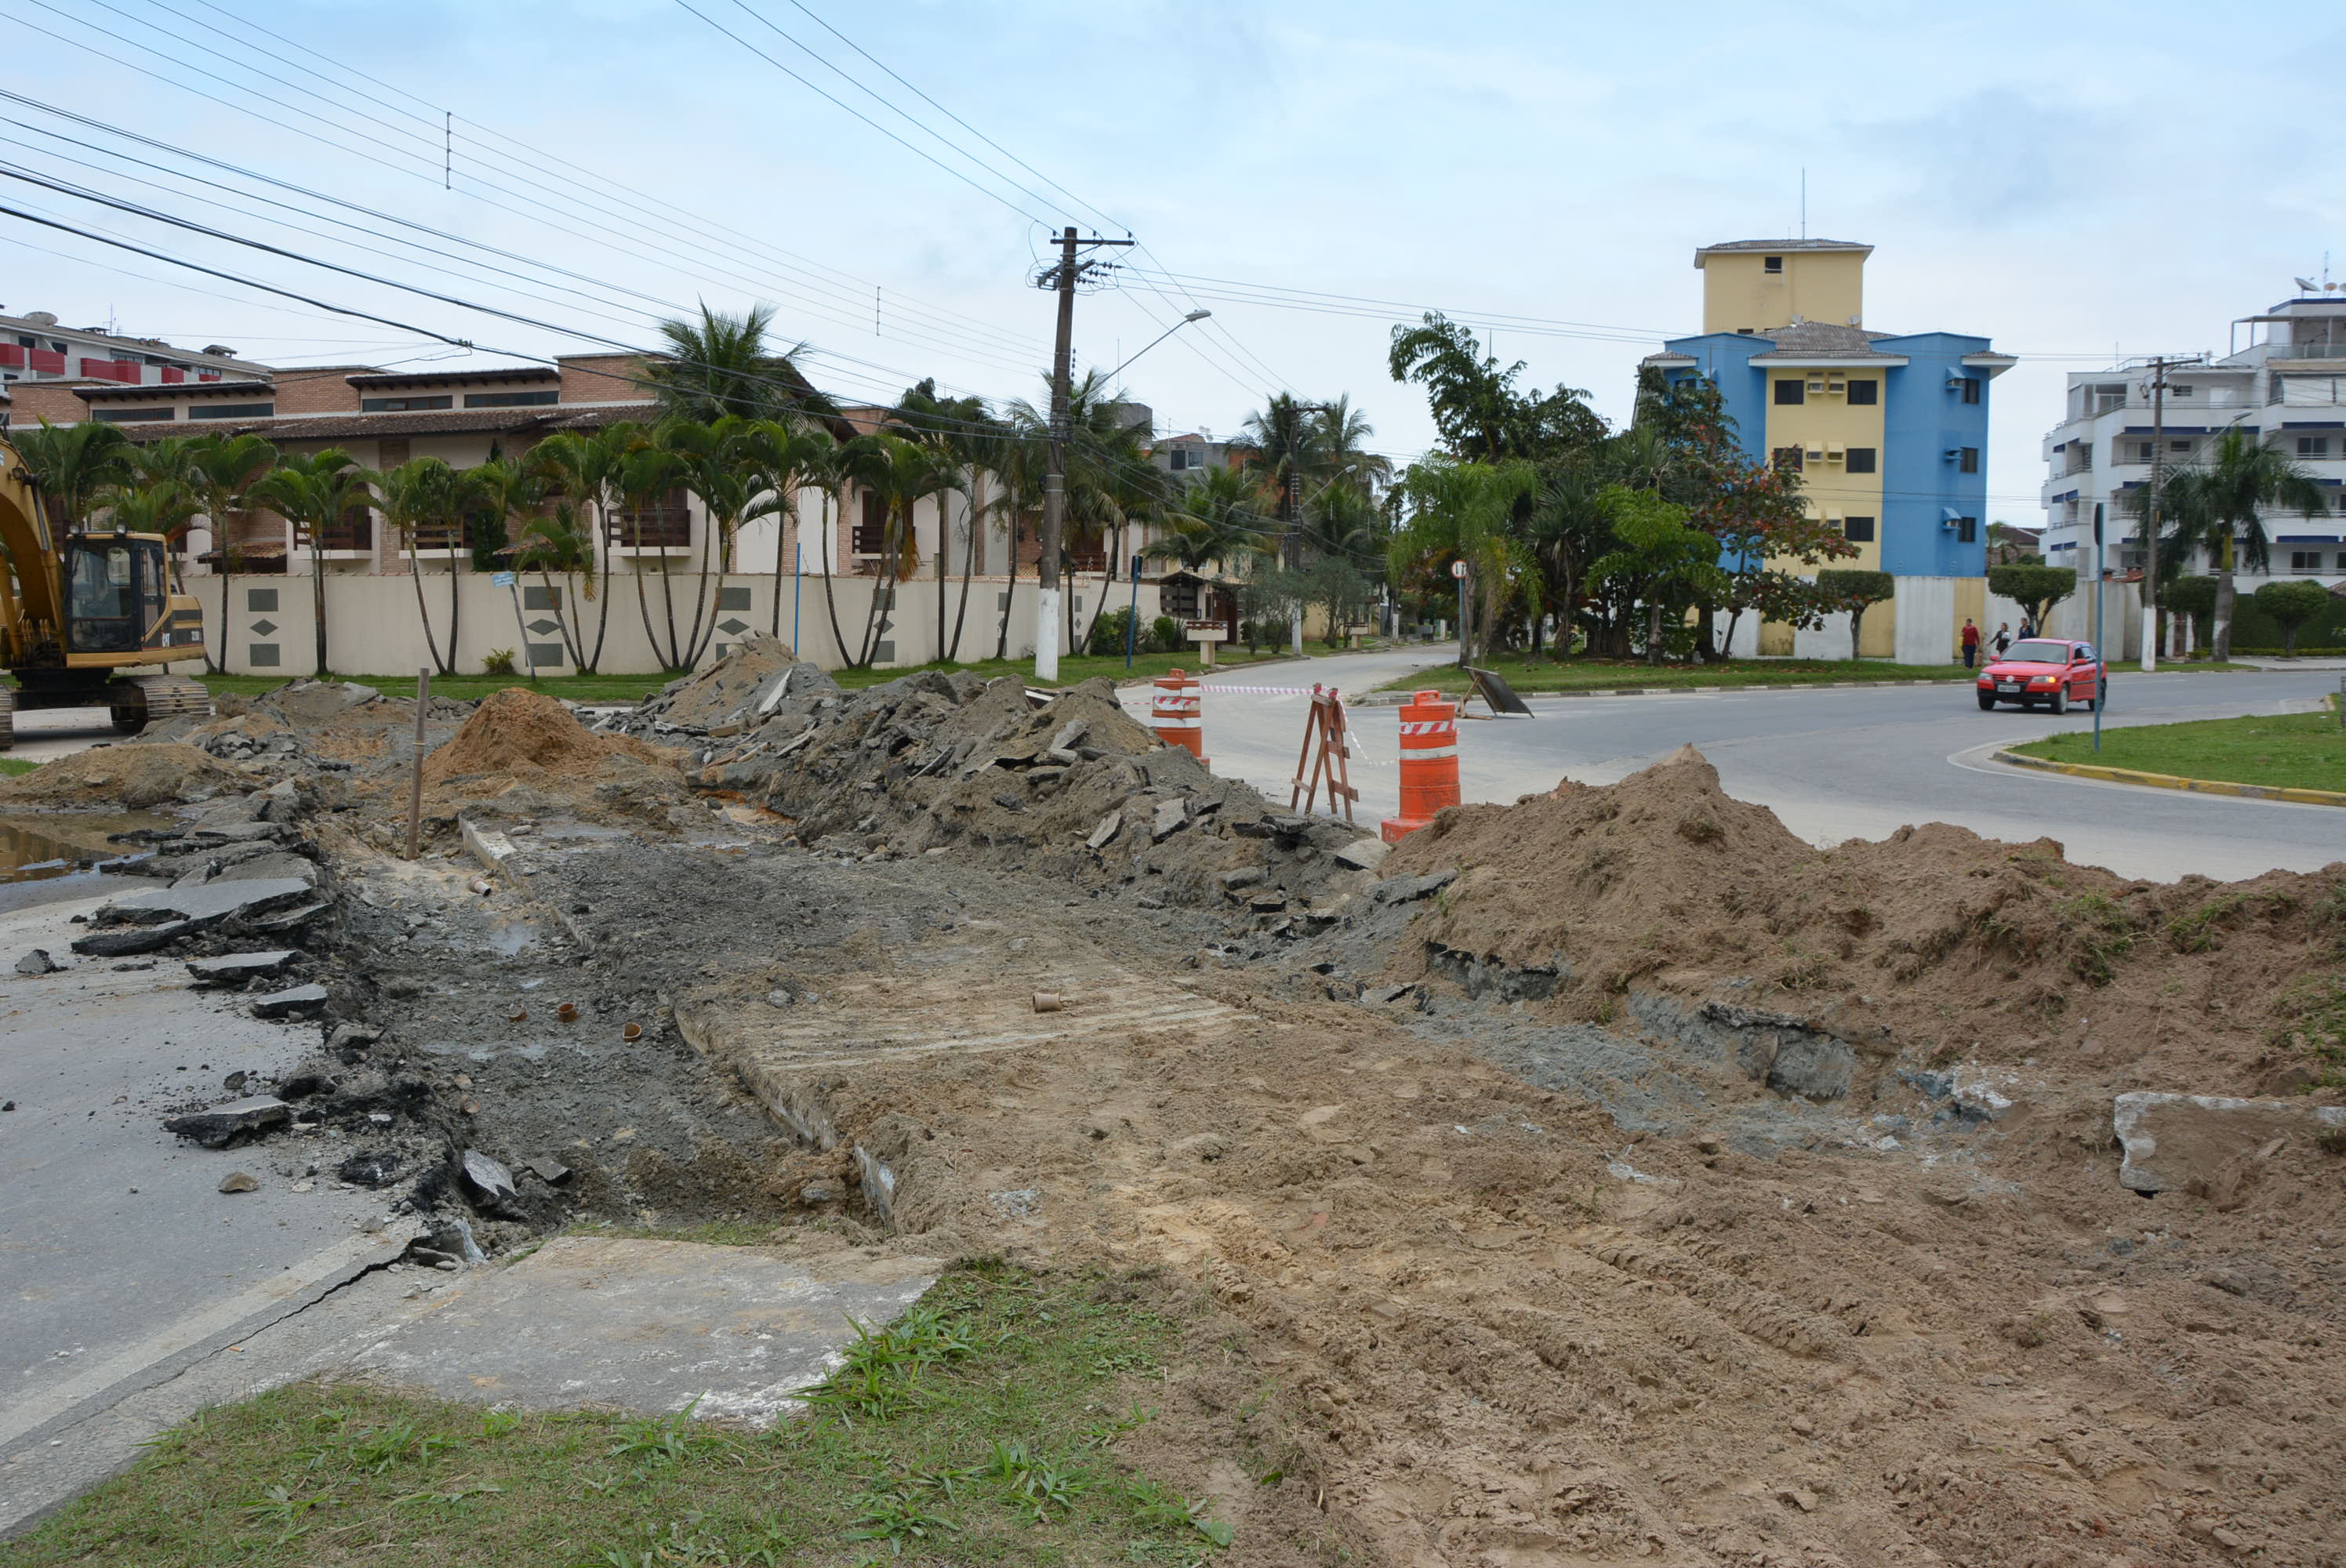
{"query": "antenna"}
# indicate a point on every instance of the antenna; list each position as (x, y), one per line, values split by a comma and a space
(1804, 203)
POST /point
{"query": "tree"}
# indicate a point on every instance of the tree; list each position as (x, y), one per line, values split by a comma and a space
(422, 508)
(70, 463)
(2220, 506)
(164, 507)
(1477, 409)
(722, 364)
(956, 427)
(1658, 560)
(1216, 520)
(490, 496)
(1855, 592)
(584, 471)
(316, 492)
(728, 465)
(1461, 512)
(2193, 598)
(902, 474)
(2290, 605)
(2036, 589)
(223, 473)
(1339, 592)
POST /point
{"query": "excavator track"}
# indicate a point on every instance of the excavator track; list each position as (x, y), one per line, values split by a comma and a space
(7, 717)
(144, 699)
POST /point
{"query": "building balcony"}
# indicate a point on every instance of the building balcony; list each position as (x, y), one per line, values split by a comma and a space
(2326, 351)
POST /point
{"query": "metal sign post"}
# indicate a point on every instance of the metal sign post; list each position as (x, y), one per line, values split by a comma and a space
(1458, 570)
(2103, 654)
(510, 582)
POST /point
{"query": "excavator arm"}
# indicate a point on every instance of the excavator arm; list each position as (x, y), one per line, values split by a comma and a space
(28, 585)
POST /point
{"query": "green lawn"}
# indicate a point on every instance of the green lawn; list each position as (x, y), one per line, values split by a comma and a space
(979, 1429)
(1546, 675)
(14, 765)
(2297, 751)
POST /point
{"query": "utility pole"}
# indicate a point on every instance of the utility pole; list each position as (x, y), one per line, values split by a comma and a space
(2150, 524)
(1062, 278)
(1293, 539)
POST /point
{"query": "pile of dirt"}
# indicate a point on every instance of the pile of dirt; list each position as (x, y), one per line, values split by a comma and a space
(513, 731)
(1068, 787)
(130, 777)
(1927, 948)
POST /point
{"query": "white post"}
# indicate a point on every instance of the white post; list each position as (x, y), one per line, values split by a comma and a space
(1046, 636)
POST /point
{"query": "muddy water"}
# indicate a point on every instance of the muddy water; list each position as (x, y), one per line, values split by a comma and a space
(55, 856)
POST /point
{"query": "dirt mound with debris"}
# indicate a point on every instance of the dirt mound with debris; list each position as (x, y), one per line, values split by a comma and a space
(742, 687)
(1934, 946)
(1067, 786)
(133, 777)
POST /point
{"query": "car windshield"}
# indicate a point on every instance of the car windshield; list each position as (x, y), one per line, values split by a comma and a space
(2039, 653)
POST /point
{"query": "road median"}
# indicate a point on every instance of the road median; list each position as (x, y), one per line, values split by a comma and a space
(2295, 795)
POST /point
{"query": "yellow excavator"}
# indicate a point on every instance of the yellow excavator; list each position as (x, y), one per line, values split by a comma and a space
(90, 619)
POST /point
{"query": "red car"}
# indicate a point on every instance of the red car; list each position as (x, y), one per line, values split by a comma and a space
(2046, 670)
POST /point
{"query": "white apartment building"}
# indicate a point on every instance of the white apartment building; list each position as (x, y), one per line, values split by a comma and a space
(34, 348)
(2285, 383)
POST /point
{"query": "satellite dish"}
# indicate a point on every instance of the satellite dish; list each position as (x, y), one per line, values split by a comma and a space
(2308, 285)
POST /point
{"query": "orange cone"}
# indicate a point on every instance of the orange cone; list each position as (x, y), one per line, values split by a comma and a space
(1429, 763)
(1176, 712)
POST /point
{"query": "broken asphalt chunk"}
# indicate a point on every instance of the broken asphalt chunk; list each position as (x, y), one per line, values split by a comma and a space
(291, 1002)
(235, 968)
(1171, 817)
(197, 907)
(37, 961)
(222, 1126)
(1401, 889)
(488, 1180)
(137, 939)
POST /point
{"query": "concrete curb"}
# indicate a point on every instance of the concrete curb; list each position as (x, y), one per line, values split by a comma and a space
(1388, 698)
(2169, 781)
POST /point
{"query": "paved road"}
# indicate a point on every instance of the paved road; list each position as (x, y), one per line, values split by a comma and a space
(51, 732)
(1833, 763)
(123, 1261)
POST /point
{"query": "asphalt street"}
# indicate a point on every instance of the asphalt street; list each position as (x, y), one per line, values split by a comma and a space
(1834, 763)
(122, 1260)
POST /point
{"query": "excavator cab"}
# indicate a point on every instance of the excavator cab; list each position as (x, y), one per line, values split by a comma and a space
(116, 586)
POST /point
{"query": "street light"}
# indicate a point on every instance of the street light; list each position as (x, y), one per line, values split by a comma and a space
(1192, 316)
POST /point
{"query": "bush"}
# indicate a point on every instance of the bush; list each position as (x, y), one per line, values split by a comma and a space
(1165, 634)
(2036, 589)
(2289, 606)
(1108, 632)
(1263, 634)
(500, 661)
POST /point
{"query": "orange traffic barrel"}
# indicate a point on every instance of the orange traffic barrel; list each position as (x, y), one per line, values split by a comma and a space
(1429, 763)
(1176, 712)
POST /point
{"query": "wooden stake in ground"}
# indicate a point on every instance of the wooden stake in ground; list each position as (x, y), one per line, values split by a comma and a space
(415, 787)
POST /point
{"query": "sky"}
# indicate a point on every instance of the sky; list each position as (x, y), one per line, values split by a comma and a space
(2074, 180)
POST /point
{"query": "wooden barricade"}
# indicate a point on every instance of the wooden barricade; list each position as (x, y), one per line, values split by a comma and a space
(1329, 763)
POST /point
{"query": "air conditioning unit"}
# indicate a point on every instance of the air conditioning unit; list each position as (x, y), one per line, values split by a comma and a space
(1832, 452)
(1816, 455)
(1817, 385)
(1953, 454)
(1836, 388)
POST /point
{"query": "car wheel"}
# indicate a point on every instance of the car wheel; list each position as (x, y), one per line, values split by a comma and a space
(2061, 700)
(2102, 696)
(1987, 702)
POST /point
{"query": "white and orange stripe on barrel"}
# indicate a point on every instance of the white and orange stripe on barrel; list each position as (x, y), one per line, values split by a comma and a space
(1429, 763)
(1176, 712)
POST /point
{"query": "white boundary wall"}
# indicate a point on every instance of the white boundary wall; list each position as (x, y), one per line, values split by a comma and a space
(373, 627)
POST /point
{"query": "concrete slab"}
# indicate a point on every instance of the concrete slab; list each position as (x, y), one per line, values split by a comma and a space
(618, 1323)
(206, 905)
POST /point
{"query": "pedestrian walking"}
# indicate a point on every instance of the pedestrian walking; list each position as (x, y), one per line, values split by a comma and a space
(2027, 628)
(2003, 638)
(1971, 643)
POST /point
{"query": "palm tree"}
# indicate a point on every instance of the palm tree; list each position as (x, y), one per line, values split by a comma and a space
(71, 464)
(954, 427)
(2220, 506)
(902, 474)
(1341, 443)
(586, 470)
(225, 470)
(1216, 520)
(1462, 510)
(423, 508)
(798, 459)
(1283, 445)
(1024, 457)
(164, 507)
(728, 464)
(722, 364)
(316, 492)
(647, 474)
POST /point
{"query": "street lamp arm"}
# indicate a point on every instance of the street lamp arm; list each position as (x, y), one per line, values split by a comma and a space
(1192, 316)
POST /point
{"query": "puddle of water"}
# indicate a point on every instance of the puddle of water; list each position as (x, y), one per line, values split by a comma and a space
(55, 856)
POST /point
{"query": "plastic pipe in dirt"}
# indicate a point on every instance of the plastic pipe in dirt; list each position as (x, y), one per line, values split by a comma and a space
(1132, 615)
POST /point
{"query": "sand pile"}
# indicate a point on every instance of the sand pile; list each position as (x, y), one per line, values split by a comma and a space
(130, 776)
(515, 729)
(1934, 945)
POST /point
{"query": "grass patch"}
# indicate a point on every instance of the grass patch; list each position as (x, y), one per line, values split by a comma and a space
(1538, 675)
(978, 1428)
(1073, 670)
(12, 766)
(2298, 751)
(2312, 1023)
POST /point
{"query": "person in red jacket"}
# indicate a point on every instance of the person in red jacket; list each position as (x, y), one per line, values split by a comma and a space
(1971, 643)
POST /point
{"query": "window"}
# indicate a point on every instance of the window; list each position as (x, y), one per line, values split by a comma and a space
(2178, 390)
(1970, 388)
(1745, 331)
(2141, 450)
(1861, 459)
(2305, 560)
(404, 404)
(872, 534)
(2313, 446)
(232, 411)
(1787, 459)
(1858, 530)
(1865, 391)
(1792, 389)
(509, 399)
(129, 415)
(1967, 530)
(1967, 460)
(2179, 446)
(1772, 264)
